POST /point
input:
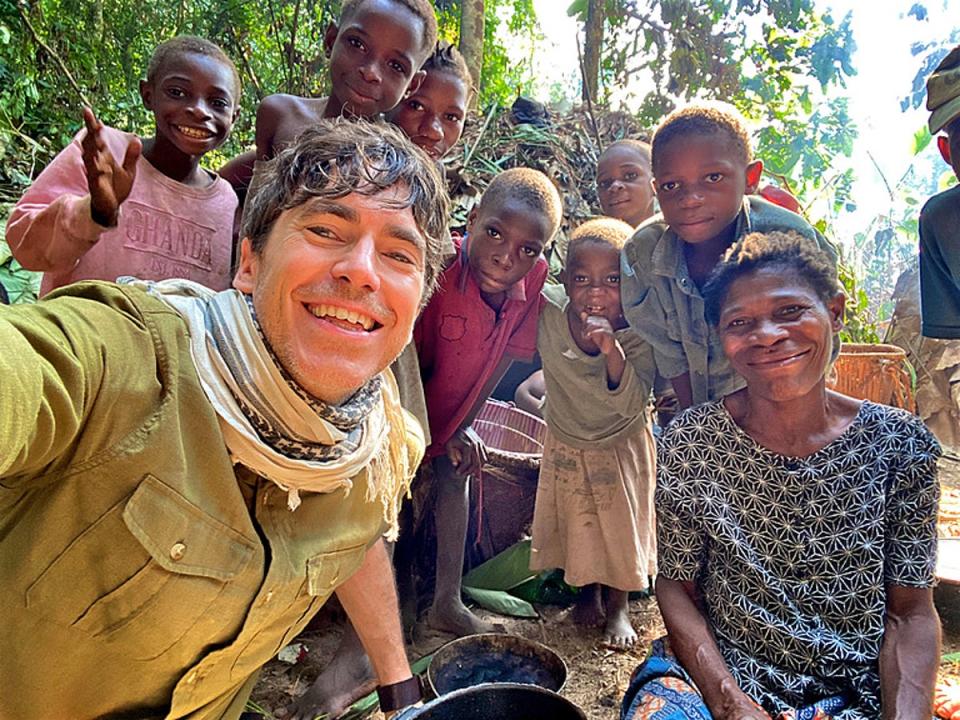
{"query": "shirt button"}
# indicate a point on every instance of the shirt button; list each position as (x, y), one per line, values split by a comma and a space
(177, 551)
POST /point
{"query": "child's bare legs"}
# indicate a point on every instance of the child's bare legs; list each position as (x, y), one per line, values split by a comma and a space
(451, 513)
(618, 632)
(588, 610)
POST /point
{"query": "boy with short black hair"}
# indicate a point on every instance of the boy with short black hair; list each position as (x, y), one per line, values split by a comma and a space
(704, 179)
(113, 204)
(940, 217)
(483, 316)
(375, 53)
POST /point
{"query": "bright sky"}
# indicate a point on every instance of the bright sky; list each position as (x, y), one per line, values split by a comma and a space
(885, 72)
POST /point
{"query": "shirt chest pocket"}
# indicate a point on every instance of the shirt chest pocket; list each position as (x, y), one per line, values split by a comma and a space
(327, 571)
(144, 573)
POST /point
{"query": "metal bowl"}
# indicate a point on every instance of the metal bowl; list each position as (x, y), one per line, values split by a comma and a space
(497, 701)
(495, 658)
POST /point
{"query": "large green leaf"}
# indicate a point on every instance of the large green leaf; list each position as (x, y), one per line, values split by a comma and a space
(500, 601)
(504, 571)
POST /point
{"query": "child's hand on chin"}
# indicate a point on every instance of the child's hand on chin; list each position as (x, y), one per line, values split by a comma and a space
(466, 452)
(598, 330)
(109, 183)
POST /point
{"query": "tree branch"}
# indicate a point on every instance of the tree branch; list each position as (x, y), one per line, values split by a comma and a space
(257, 86)
(56, 58)
(593, 119)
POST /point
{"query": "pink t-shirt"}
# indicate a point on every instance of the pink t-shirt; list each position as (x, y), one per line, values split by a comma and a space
(165, 230)
(460, 340)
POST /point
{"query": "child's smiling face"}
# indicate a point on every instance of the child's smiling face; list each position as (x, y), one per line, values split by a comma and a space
(375, 53)
(591, 278)
(700, 181)
(194, 101)
(432, 116)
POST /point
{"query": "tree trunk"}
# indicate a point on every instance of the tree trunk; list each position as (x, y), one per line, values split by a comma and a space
(593, 44)
(471, 41)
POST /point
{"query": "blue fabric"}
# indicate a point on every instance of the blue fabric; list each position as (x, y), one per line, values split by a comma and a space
(646, 685)
(655, 694)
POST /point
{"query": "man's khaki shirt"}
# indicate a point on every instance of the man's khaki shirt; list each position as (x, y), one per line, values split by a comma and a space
(140, 575)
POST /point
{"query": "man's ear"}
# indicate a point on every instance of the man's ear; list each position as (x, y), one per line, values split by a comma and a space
(754, 173)
(836, 309)
(329, 38)
(943, 145)
(146, 94)
(472, 219)
(245, 278)
(415, 82)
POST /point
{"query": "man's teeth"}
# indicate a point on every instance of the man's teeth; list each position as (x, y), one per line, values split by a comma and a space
(343, 314)
(194, 132)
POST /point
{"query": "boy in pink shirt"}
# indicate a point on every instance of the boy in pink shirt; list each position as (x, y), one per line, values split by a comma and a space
(483, 316)
(111, 204)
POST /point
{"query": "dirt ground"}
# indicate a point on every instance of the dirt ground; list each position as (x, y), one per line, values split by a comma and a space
(597, 676)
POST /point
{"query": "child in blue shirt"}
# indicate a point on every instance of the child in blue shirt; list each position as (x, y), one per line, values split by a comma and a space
(704, 178)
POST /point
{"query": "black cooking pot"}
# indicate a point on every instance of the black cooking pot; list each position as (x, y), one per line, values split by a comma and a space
(494, 658)
(497, 701)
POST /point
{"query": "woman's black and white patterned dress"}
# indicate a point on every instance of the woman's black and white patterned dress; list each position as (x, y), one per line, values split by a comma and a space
(793, 555)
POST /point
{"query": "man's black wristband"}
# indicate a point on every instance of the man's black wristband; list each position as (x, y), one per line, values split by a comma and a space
(400, 694)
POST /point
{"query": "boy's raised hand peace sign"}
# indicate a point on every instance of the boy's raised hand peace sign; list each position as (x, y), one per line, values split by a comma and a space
(108, 182)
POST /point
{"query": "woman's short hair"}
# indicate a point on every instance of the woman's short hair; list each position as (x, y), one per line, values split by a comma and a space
(784, 250)
(334, 158)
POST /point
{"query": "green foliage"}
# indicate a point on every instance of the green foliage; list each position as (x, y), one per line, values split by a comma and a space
(505, 22)
(776, 60)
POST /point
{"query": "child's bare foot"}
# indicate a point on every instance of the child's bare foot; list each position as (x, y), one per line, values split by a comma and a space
(588, 611)
(618, 632)
(454, 617)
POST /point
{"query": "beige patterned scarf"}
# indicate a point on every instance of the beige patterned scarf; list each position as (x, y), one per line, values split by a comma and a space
(311, 447)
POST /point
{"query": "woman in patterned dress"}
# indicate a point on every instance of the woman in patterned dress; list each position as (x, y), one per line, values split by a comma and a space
(796, 526)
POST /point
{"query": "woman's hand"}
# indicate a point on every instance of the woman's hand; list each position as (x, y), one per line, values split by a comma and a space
(109, 183)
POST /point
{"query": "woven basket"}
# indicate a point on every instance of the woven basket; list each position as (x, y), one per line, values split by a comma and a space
(514, 438)
(874, 372)
(504, 495)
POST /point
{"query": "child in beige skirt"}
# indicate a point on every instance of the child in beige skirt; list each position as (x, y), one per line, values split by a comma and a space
(594, 510)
